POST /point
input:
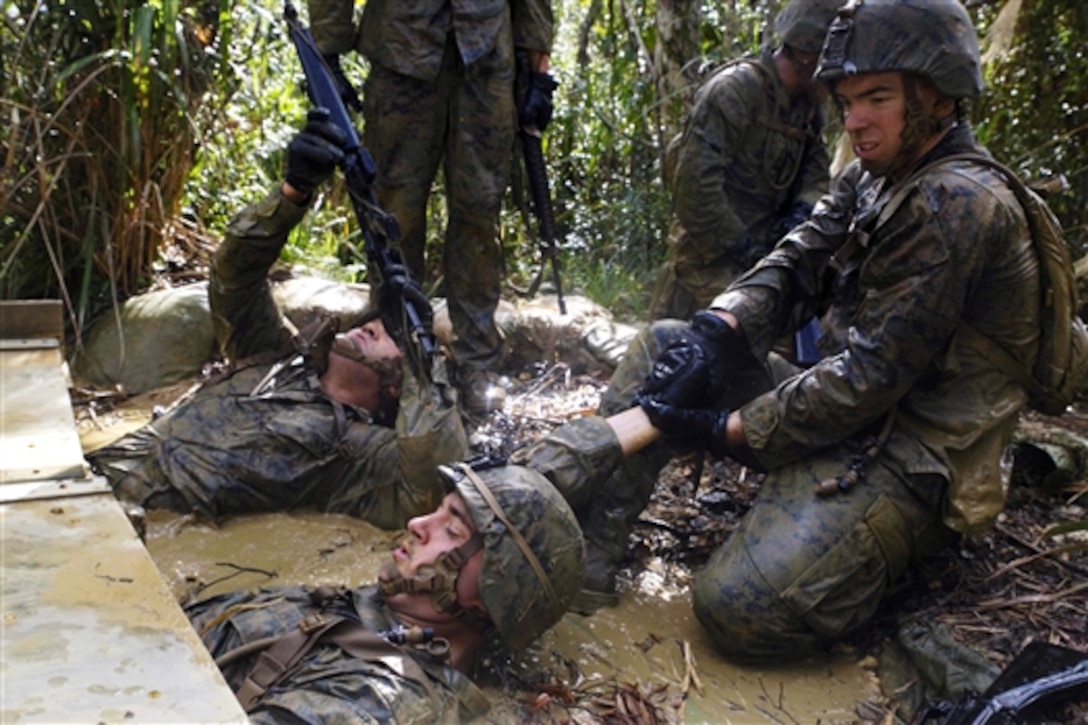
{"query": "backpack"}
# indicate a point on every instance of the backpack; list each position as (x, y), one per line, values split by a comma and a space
(1061, 368)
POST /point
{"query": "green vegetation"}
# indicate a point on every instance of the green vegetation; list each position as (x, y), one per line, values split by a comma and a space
(131, 132)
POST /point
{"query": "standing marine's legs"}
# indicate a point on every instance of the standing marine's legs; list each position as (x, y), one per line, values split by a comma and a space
(406, 122)
(477, 164)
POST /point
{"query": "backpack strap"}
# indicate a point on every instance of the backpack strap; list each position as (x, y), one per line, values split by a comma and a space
(1001, 359)
(279, 656)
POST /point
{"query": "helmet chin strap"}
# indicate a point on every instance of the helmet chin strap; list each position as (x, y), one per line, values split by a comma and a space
(919, 125)
(438, 579)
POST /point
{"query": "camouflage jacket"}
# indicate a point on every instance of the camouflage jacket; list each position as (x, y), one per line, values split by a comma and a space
(410, 36)
(893, 281)
(747, 155)
(267, 438)
(577, 457)
(329, 684)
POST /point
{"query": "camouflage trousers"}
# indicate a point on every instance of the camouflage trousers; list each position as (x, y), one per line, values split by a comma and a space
(800, 570)
(464, 120)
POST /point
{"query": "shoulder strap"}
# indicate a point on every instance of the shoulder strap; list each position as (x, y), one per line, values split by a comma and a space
(1002, 360)
(280, 655)
(905, 186)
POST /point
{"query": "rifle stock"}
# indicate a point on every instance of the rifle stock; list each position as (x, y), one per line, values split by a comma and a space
(378, 227)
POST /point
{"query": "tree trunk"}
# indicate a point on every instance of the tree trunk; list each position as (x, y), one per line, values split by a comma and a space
(676, 58)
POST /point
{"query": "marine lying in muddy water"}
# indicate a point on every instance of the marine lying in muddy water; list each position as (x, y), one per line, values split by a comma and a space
(335, 421)
(904, 419)
(499, 559)
(502, 557)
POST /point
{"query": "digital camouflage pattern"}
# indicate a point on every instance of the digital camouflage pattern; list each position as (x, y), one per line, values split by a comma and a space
(524, 598)
(748, 155)
(803, 570)
(440, 90)
(266, 438)
(933, 38)
(956, 246)
(330, 685)
(410, 37)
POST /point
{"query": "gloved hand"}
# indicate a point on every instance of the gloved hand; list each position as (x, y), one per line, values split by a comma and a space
(692, 369)
(314, 152)
(704, 428)
(536, 110)
(397, 287)
(680, 374)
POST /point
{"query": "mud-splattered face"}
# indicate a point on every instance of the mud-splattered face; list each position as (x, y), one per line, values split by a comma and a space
(363, 362)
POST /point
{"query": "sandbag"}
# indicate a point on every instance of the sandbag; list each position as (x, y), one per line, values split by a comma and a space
(162, 337)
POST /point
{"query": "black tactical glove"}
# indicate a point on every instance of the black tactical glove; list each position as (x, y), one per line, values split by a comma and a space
(398, 287)
(536, 110)
(691, 371)
(680, 374)
(688, 426)
(314, 152)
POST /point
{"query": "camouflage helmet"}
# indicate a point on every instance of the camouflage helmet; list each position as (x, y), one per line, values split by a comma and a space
(933, 38)
(534, 554)
(803, 23)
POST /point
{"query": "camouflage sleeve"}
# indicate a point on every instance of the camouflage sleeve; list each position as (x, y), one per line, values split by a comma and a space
(392, 474)
(534, 24)
(911, 295)
(726, 105)
(783, 289)
(247, 319)
(576, 457)
(332, 23)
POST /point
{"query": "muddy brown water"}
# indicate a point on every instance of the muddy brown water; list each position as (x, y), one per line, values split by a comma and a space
(641, 643)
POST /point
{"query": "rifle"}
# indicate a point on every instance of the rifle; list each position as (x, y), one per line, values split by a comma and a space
(379, 227)
(540, 193)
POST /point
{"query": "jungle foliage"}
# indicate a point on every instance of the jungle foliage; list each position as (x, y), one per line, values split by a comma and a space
(130, 132)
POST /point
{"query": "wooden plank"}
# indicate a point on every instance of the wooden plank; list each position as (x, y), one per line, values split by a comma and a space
(38, 438)
(31, 318)
(91, 631)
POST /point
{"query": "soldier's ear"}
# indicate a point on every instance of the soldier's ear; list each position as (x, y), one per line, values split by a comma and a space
(944, 107)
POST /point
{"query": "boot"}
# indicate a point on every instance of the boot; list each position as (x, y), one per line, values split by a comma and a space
(599, 588)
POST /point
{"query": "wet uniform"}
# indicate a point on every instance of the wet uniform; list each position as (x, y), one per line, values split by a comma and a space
(380, 684)
(440, 90)
(802, 570)
(748, 155)
(267, 438)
